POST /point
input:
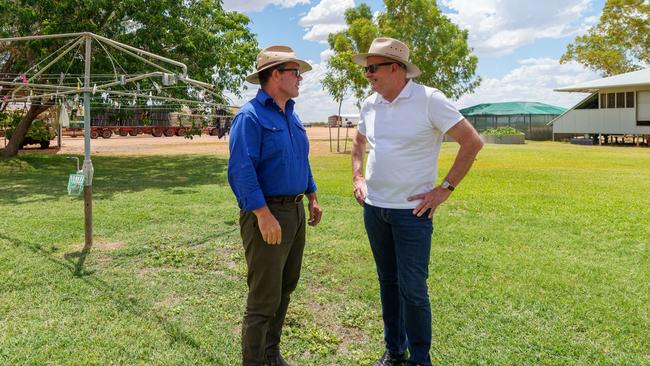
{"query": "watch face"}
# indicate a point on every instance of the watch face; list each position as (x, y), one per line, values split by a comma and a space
(447, 185)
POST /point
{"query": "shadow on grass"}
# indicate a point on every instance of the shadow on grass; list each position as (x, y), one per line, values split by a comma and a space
(124, 301)
(80, 258)
(32, 178)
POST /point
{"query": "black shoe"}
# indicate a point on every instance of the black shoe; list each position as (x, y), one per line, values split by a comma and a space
(275, 360)
(391, 359)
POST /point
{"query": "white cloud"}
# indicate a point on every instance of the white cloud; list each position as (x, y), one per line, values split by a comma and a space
(326, 17)
(498, 27)
(319, 32)
(325, 55)
(259, 5)
(533, 81)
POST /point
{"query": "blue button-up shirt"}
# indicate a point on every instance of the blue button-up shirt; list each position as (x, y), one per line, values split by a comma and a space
(268, 153)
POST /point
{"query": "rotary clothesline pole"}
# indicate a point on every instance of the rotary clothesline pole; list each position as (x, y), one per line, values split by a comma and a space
(87, 165)
(55, 91)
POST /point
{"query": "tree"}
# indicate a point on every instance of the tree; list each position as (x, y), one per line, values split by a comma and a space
(199, 33)
(619, 43)
(437, 46)
(343, 75)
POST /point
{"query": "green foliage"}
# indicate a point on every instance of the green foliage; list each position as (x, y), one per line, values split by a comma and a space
(500, 131)
(619, 43)
(344, 76)
(438, 47)
(217, 46)
(209, 40)
(38, 131)
(10, 119)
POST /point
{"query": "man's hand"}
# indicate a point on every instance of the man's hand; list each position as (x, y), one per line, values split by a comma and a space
(430, 200)
(315, 212)
(359, 184)
(269, 226)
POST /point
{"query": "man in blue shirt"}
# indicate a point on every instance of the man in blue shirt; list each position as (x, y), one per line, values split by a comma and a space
(269, 173)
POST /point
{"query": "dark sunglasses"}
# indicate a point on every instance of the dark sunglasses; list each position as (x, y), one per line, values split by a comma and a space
(373, 68)
(296, 72)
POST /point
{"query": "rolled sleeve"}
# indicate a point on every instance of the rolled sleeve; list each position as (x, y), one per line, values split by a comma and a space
(311, 185)
(245, 142)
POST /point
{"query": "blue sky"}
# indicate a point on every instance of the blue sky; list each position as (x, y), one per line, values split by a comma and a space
(518, 43)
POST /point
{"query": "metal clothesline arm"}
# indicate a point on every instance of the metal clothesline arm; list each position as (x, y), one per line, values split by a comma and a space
(138, 57)
(129, 80)
(171, 99)
(139, 51)
(42, 96)
(36, 86)
(75, 44)
(47, 36)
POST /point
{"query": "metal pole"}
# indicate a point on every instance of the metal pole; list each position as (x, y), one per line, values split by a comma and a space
(88, 165)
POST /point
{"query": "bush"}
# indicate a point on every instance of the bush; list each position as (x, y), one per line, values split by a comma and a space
(500, 131)
(38, 133)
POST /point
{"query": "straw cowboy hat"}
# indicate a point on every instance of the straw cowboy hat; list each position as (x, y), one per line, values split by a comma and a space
(392, 49)
(273, 56)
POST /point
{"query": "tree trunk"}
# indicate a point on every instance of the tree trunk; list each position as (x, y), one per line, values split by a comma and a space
(20, 131)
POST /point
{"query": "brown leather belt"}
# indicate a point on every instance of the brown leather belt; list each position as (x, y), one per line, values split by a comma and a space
(284, 199)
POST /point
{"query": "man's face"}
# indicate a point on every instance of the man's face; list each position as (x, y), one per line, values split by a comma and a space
(290, 79)
(381, 77)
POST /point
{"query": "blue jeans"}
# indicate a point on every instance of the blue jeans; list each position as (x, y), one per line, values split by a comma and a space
(401, 245)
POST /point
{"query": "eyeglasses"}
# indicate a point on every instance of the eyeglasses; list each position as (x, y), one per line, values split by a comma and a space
(296, 72)
(373, 68)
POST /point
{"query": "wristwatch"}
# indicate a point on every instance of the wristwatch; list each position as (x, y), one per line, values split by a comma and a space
(446, 185)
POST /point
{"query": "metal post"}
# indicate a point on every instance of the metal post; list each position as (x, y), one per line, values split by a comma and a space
(88, 165)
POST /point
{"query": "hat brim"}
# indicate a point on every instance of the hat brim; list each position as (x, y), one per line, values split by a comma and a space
(412, 71)
(303, 66)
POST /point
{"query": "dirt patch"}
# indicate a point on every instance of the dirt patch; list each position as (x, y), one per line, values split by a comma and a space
(108, 246)
(199, 145)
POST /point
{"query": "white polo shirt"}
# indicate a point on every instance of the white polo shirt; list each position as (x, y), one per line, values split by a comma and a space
(405, 137)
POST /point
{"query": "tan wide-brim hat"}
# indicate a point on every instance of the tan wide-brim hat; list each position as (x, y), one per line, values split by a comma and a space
(392, 49)
(273, 56)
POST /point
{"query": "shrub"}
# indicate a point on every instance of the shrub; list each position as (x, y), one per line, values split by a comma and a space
(500, 131)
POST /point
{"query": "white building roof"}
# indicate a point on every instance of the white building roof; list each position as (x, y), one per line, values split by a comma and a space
(634, 78)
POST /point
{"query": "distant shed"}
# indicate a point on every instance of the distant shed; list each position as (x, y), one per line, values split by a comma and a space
(344, 120)
(531, 118)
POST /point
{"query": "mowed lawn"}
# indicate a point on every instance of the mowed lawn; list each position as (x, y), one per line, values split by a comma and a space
(541, 257)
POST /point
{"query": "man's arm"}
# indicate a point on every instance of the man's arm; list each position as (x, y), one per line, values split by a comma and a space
(358, 181)
(470, 144)
(245, 139)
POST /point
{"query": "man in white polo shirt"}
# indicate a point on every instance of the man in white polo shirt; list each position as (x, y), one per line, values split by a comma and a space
(404, 123)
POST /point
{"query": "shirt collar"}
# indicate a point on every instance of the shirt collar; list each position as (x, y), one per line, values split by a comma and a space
(267, 100)
(403, 94)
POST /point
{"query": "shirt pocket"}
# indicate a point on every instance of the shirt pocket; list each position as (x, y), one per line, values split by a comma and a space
(301, 134)
(272, 140)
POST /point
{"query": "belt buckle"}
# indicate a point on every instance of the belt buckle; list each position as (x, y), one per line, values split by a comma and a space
(298, 198)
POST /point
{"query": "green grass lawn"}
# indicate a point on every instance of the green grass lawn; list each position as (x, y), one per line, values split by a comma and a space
(541, 257)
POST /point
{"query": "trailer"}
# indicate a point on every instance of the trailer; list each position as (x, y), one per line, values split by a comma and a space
(133, 122)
